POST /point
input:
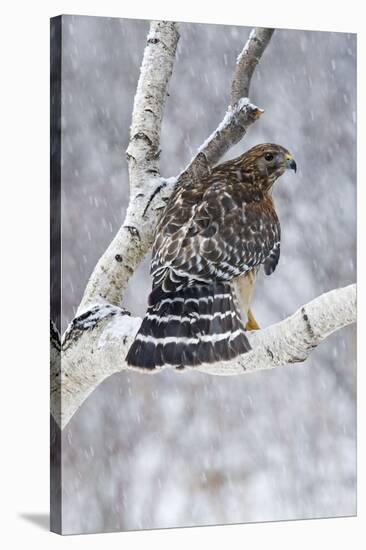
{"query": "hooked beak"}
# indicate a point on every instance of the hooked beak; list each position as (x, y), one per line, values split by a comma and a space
(291, 164)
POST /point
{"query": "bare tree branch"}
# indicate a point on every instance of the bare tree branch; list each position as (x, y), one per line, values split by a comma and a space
(115, 267)
(95, 346)
(240, 114)
(247, 62)
(292, 340)
(230, 131)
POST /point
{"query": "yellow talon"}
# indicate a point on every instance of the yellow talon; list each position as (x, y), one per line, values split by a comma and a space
(252, 323)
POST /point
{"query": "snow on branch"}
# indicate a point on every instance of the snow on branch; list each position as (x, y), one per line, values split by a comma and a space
(96, 344)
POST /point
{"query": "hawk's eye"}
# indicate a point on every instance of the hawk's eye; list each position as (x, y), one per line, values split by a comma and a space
(268, 157)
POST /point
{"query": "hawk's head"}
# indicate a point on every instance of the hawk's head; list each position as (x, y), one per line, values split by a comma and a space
(264, 163)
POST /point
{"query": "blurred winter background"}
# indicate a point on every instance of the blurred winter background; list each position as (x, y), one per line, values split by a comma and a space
(192, 449)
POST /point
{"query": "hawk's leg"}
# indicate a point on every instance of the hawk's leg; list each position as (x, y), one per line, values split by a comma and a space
(251, 323)
(244, 287)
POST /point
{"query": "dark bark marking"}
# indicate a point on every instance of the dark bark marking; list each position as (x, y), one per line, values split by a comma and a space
(133, 232)
(157, 190)
(309, 328)
(142, 135)
(88, 321)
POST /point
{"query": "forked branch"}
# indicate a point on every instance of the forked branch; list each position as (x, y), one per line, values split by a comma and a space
(148, 191)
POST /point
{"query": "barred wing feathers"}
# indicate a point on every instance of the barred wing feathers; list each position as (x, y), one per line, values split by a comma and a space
(222, 235)
(210, 233)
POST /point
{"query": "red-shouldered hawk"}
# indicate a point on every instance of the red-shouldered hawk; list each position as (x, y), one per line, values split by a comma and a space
(209, 244)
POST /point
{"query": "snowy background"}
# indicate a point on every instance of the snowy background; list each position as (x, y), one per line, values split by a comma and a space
(192, 449)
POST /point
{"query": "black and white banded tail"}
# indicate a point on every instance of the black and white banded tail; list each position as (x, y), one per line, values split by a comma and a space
(199, 324)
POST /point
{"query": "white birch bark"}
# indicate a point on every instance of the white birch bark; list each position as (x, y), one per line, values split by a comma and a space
(114, 269)
(96, 342)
